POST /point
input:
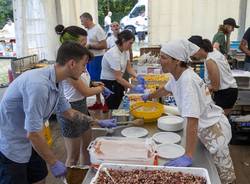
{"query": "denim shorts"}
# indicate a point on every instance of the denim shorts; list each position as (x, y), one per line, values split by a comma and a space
(22, 173)
(74, 129)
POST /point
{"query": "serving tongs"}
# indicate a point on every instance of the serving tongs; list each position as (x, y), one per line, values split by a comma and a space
(120, 125)
(108, 174)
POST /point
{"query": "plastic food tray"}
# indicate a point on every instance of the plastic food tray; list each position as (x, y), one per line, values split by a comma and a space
(186, 170)
(147, 116)
(148, 142)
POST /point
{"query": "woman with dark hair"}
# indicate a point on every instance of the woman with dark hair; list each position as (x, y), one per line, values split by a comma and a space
(77, 136)
(114, 63)
(218, 75)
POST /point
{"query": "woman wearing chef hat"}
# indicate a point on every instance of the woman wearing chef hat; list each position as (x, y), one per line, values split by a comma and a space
(204, 119)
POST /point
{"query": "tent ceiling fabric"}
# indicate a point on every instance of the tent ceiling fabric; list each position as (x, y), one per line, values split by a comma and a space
(179, 19)
(168, 20)
(71, 10)
(35, 29)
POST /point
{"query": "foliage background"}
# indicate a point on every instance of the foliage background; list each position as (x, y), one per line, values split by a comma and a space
(6, 11)
(119, 9)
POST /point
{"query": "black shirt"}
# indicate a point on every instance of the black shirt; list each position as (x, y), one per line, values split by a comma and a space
(247, 38)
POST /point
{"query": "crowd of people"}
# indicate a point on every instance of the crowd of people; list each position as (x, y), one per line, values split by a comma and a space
(90, 64)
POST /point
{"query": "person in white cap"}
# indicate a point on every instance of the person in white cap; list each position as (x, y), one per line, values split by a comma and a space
(204, 119)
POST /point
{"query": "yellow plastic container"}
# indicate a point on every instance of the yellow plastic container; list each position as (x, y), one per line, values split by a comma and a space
(149, 111)
(47, 133)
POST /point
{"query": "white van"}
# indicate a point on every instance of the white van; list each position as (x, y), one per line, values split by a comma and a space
(129, 21)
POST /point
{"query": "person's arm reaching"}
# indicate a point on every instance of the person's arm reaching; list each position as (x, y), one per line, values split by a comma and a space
(76, 116)
(119, 78)
(85, 90)
(159, 93)
(40, 145)
(98, 46)
(191, 139)
(101, 41)
(130, 69)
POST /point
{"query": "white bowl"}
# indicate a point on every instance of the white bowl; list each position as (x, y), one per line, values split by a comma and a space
(170, 123)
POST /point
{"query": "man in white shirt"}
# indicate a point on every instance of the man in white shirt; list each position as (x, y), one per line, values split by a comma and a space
(115, 27)
(9, 29)
(107, 21)
(96, 43)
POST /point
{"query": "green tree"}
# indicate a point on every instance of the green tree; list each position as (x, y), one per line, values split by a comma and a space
(6, 11)
(119, 9)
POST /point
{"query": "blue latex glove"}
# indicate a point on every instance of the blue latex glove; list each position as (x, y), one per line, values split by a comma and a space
(183, 161)
(107, 123)
(58, 169)
(138, 88)
(145, 97)
(141, 80)
(107, 92)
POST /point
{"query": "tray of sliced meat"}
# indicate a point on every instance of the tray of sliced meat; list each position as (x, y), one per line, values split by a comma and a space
(138, 174)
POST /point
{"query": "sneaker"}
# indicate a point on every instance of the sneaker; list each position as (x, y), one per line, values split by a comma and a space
(105, 108)
(96, 106)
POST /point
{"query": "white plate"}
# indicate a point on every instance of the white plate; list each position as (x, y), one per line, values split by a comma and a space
(166, 137)
(134, 132)
(170, 151)
(170, 123)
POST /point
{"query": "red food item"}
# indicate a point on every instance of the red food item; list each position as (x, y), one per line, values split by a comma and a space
(138, 176)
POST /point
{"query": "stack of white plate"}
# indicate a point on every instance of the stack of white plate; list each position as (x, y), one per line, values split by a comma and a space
(170, 123)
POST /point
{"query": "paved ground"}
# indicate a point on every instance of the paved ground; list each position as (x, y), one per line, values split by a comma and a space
(4, 65)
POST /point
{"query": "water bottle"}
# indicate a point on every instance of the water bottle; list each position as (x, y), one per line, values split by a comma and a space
(170, 101)
(126, 103)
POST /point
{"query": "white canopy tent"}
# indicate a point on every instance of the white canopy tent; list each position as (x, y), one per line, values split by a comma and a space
(181, 19)
(36, 19)
(168, 19)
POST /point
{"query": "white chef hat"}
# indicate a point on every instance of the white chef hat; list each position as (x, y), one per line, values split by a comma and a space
(180, 49)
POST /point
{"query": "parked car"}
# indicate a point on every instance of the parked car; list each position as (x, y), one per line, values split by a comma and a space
(129, 21)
